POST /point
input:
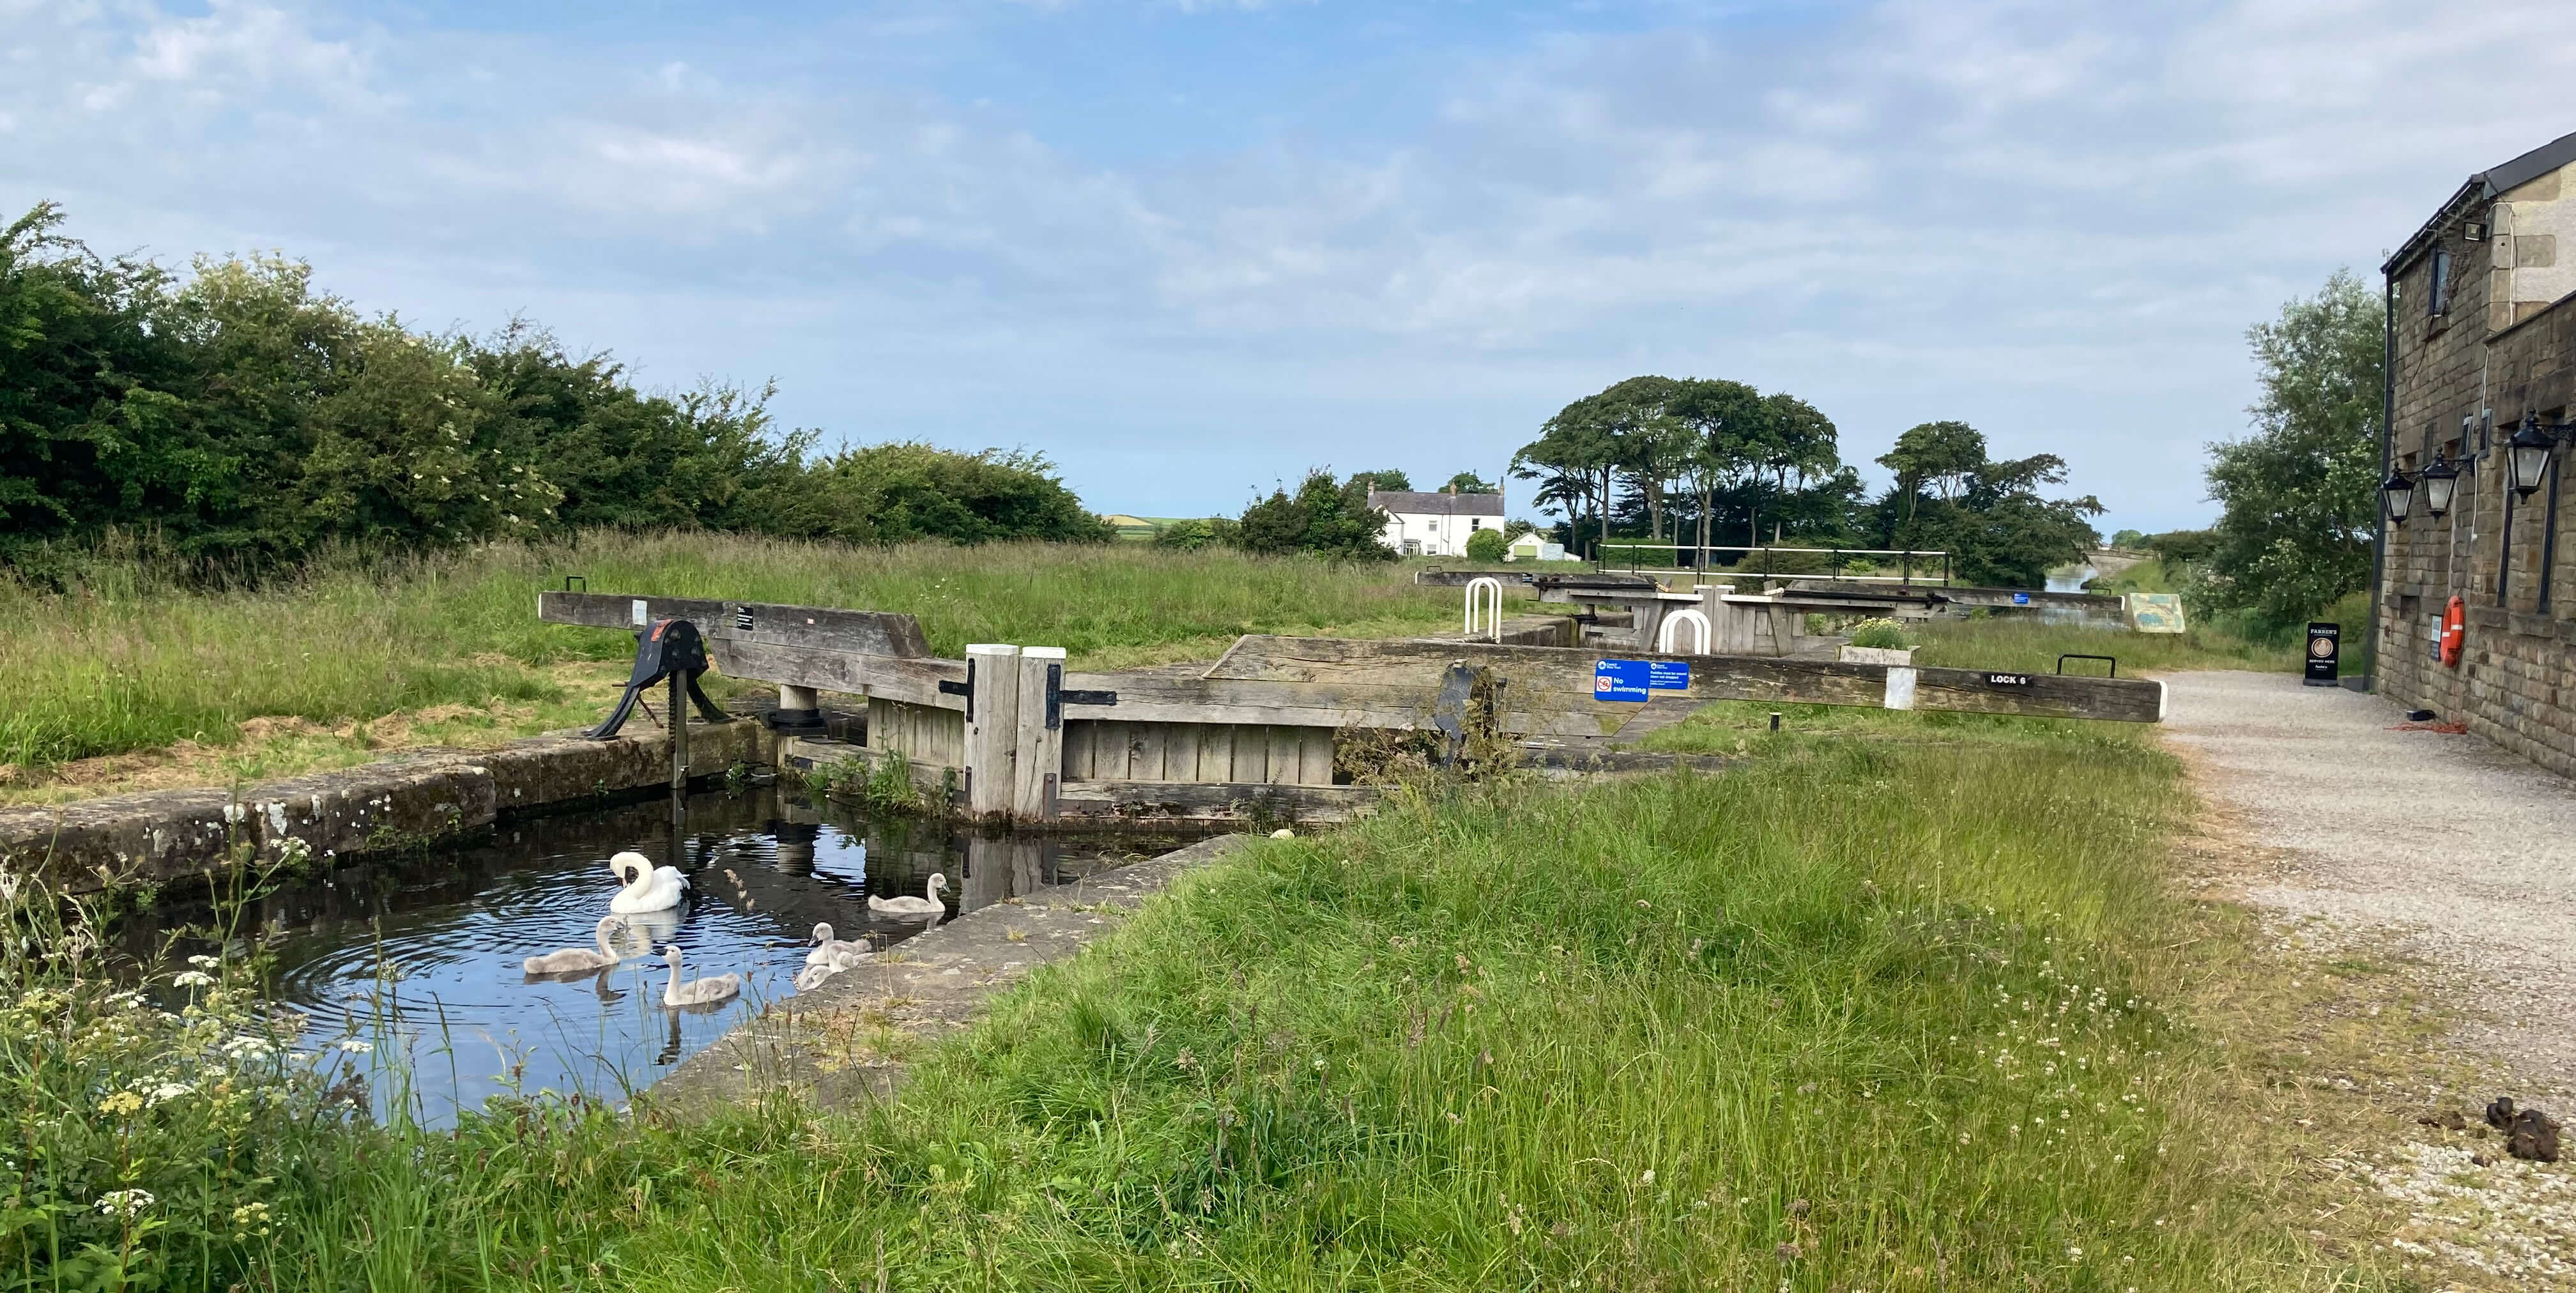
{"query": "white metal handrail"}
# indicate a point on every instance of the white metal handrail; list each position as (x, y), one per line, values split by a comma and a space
(1699, 627)
(1493, 588)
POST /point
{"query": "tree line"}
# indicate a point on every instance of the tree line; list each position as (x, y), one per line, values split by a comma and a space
(238, 413)
(1711, 463)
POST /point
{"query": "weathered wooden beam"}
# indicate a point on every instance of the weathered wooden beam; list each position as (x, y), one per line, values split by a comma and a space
(1211, 801)
(1547, 677)
(992, 728)
(1040, 767)
(914, 681)
(768, 623)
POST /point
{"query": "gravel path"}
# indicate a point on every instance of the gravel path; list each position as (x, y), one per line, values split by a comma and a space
(2463, 853)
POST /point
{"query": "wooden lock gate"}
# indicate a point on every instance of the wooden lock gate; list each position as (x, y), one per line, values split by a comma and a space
(1010, 733)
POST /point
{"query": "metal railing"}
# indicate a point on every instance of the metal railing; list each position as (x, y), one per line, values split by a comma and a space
(1905, 576)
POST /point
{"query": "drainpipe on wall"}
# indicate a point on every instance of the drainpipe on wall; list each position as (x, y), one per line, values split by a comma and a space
(2387, 461)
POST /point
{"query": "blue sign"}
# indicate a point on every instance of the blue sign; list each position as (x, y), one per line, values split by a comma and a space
(2021, 599)
(1668, 675)
(1620, 680)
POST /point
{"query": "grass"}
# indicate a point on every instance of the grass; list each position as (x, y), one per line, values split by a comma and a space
(1856, 1015)
(2012, 642)
(132, 660)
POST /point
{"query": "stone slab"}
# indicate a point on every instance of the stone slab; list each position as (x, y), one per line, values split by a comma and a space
(844, 1043)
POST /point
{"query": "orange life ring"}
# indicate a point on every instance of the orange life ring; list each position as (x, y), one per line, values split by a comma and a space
(2455, 619)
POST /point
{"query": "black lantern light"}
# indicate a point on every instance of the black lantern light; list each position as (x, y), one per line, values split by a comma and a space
(2439, 480)
(2530, 448)
(2399, 492)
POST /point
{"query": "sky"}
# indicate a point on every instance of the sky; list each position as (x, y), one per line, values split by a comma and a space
(1189, 249)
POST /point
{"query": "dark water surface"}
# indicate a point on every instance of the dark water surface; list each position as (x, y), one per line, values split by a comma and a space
(420, 956)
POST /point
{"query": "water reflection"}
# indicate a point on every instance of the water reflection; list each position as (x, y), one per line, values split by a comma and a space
(422, 955)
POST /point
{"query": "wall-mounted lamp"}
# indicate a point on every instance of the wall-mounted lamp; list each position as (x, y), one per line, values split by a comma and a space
(2439, 480)
(2531, 447)
(2399, 492)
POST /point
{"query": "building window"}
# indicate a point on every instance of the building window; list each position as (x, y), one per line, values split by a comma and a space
(2439, 296)
(1475, 523)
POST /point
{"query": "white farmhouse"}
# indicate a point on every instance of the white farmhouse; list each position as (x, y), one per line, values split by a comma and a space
(1435, 525)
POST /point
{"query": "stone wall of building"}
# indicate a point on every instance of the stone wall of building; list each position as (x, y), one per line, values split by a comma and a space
(2465, 378)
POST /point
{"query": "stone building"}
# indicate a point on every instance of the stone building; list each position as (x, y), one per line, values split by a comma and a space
(2482, 308)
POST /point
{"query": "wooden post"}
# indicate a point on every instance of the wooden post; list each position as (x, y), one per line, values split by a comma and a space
(799, 704)
(992, 727)
(1040, 744)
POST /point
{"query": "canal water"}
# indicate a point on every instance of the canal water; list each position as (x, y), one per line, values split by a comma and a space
(419, 957)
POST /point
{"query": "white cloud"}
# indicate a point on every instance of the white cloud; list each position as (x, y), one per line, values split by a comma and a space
(2040, 216)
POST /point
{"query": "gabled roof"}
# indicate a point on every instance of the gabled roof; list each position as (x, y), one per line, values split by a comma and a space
(1411, 503)
(2486, 186)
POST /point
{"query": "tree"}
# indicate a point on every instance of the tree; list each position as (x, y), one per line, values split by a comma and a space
(1940, 454)
(1729, 425)
(1986, 513)
(2128, 539)
(1322, 519)
(1390, 480)
(1583, 449)
(1572, 460)
(2300, 493)
(1467, 482)
(1487, 545)
(1798, 441)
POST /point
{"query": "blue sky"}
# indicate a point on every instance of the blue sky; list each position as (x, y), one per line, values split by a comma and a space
(1189, 248)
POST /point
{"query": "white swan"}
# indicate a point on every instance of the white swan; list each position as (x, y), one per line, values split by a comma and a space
(812, 976)
(573, 959)
(907, 906)
(841, 952)
(647, 888)
(697, 992)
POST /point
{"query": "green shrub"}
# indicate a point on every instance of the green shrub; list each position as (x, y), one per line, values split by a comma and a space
(1193, 535)
(1487, 545)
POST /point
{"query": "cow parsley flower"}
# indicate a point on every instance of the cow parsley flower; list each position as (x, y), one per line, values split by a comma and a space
(124, 1203)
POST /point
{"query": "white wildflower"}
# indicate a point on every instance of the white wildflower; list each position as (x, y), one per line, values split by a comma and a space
(160, 1092)
(124, 1203)
(353, 1046)
(192, 979)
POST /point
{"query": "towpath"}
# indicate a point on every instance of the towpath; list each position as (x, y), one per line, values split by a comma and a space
(2462, 855)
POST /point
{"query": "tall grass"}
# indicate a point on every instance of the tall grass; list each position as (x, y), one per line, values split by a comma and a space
(2020, 643)
(1859, 1016)
(133, 657)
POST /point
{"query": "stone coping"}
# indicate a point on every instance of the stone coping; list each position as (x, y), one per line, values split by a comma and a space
(407, 801)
